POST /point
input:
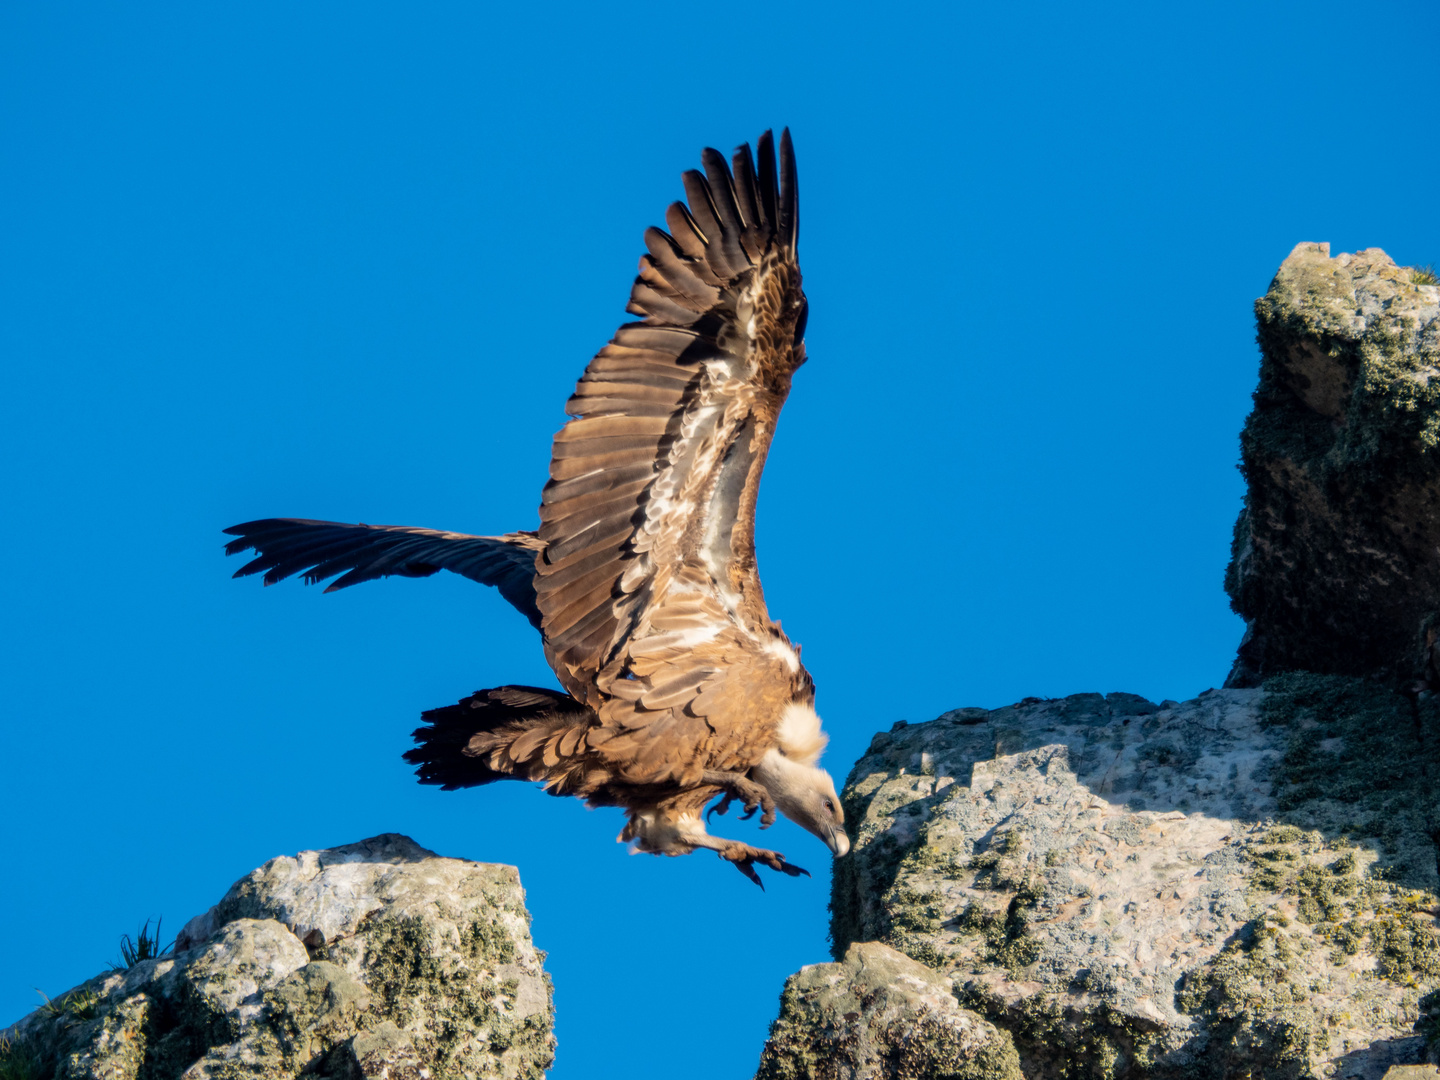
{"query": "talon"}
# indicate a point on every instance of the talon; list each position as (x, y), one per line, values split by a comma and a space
(745, 857)
(776, 861)
(747, 867)
(720, 807)
(781, 865)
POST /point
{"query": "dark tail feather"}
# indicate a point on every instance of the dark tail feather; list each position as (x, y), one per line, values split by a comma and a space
(470, 743)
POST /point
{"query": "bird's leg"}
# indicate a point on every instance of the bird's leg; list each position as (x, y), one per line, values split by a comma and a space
(752, 795)
(745, 857)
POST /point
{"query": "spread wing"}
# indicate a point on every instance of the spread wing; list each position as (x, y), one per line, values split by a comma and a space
(648, 575)
(322, 549)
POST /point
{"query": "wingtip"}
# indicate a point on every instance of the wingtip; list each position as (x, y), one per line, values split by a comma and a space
(250, 526)
(767, 179)
(789, 193)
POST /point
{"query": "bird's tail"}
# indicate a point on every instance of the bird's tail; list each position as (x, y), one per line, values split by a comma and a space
(509, 733)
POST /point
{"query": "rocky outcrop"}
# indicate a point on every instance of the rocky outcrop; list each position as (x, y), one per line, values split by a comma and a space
(1334, 565)
(1243, 884)
(377, 959)
(1240, 885)
(878, 1015)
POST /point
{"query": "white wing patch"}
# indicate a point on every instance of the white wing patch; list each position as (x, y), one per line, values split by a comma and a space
(706, 431)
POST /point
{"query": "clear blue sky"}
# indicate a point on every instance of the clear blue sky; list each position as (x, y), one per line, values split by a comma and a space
(346, 261)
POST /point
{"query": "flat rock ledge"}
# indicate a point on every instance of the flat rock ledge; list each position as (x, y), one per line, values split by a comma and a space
(878, 1015)
(376, 959)
(1239, 885)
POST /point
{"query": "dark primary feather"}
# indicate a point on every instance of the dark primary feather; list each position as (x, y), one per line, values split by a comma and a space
(789, 194)
(769, 210)
(747, 194)
(322, 549)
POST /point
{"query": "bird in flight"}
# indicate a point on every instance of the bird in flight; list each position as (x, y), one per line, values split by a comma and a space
(679, 689)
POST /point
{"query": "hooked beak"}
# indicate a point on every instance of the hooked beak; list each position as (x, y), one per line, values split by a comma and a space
(838, 842)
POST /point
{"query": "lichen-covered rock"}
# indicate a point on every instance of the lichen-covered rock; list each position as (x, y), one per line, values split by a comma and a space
(878, 1015)
(1243, 884)
(1334, 567)
(377, 959)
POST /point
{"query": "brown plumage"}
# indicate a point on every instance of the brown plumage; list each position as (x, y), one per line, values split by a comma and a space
(642, 578)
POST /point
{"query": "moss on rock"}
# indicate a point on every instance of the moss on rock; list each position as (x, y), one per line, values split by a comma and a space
(1360, 762)
(879, 1014)
(458, 1009)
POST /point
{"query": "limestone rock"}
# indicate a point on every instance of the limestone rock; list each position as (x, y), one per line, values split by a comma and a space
(878, 1014)
(1242, 884)
(1333, 566)
(377, 959)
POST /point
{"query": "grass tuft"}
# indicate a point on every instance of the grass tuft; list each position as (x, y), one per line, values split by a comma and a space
(1424, 275)
(145, 946)
(18, 1061)
(76, 1005)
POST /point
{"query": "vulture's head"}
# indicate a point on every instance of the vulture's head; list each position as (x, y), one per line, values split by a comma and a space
(803, 791)
(806, 795)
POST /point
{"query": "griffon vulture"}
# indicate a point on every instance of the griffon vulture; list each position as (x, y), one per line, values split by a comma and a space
(679, 687)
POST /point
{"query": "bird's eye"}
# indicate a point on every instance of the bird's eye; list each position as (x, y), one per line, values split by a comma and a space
(829, 807)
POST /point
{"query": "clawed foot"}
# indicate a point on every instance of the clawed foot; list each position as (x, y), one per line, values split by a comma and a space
(751, 795)
(745, 857)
